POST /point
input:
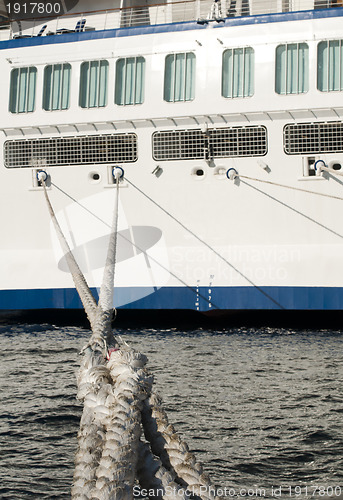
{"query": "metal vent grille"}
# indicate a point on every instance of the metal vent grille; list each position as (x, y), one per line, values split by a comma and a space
(239, 141)
(183, 144)
(216, 143)
(82, 150)
(310, 138)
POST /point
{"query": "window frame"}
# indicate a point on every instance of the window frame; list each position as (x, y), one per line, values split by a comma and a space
(230, 78)
(326, 76)
(120, 91)
(84, 97)
(172, 88)
(288, 77)
(15, 90)
(61, 92)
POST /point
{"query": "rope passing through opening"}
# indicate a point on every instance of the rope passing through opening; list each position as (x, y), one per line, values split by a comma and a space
(125, 441)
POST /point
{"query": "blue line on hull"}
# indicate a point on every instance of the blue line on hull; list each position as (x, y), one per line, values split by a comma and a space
(223, 298)
(172, 27)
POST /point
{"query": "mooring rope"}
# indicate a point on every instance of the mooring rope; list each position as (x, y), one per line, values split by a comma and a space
(81, 285)
(106, 291)
(264, 181)
(140, 249)
(120, 405)
(207, 245)
(173, 452)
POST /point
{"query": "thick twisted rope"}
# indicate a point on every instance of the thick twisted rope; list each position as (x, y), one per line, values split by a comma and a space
(81, 285)
(116, 390)
(107, 286)
(173, 451)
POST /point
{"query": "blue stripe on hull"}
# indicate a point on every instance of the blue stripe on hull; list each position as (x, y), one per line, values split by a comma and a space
(172, 27)
(223, 298)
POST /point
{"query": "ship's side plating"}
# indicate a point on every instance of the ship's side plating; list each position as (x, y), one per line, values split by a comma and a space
(191, 234)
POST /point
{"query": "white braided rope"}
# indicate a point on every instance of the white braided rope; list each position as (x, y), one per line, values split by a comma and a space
(106, 290)
(93, 389)
(154, 477)
(173, 451)
(117, 399)
(117, 469)
(80, 282)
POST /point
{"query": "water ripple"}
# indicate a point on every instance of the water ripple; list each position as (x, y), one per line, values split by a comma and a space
(258, 406)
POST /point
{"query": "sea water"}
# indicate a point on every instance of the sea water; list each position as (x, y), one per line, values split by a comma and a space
(261, 408)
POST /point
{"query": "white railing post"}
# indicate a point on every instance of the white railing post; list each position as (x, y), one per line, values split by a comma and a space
(197, 9)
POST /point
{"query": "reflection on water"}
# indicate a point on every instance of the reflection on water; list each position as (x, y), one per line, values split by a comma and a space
(261, 408)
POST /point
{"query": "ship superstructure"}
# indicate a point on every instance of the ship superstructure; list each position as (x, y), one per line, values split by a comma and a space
(226, 120)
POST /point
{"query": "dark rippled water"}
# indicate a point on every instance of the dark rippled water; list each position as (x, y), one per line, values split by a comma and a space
(261, 408)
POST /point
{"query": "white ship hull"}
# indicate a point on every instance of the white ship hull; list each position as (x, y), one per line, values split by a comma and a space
(190, 237)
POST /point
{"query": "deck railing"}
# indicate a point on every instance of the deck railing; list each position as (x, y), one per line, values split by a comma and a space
(154, 14)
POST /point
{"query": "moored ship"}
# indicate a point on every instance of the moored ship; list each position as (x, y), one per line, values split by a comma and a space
(226, 120)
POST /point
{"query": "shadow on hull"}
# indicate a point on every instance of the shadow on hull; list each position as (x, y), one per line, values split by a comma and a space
(185, 320)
